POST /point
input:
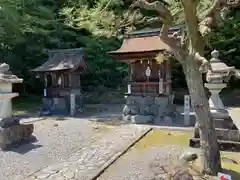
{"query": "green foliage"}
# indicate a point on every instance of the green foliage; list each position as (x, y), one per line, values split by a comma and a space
(226, 39)
(28, 28)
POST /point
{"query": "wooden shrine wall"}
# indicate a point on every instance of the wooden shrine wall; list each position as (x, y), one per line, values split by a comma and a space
(156, 84)
(139, 69)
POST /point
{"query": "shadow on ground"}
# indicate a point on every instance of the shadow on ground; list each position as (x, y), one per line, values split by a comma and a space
(24, 146)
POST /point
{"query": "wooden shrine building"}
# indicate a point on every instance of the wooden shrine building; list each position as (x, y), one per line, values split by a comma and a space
(61, 74)
(147, 79)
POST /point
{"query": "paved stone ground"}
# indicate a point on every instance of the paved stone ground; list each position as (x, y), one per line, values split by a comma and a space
(55, 144)
(87, 162)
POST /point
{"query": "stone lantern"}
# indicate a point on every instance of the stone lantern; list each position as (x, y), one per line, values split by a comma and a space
(217, 78)
(6, 94)
(11, 129)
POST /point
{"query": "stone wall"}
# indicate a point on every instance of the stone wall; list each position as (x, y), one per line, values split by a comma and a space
(139, 109)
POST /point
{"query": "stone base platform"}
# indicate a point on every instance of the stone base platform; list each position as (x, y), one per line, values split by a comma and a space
(149, 109)
(53, 106)
(227, 134)
(223, 145)
(59, 105)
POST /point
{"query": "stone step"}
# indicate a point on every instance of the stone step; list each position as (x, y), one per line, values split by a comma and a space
(26, 121)
(223, 145)
(224, 123)
(224, 134)
(228, 135)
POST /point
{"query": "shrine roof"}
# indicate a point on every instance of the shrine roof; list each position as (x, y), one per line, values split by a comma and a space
(147, 40)
(63, 59)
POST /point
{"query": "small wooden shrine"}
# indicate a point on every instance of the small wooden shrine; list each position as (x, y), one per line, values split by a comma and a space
(61, 73)
(146, 75)
(147, 79)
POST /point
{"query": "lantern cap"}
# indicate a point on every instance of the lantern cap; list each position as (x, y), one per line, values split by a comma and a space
(217, 65)
(6, 75)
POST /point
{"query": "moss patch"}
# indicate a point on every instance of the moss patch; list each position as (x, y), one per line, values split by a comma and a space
(228, 167)
(163, 137)
(180, 138)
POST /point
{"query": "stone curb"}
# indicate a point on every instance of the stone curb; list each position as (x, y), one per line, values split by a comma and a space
(172, 128)
(118, 155)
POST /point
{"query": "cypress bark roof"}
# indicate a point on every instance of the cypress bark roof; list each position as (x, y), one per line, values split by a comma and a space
(143, 41)
(63, 59)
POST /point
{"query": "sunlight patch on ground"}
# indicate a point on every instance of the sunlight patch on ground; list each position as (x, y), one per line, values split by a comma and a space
(179, 138)
(163, 137)
(230, 165)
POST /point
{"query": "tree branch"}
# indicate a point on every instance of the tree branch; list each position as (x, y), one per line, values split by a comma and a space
(130, 21)
(204, 63)
(213, 16)
(191, 20)
(134, 20)
(158, 6)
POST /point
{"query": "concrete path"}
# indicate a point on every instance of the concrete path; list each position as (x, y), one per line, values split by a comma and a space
(86, 163)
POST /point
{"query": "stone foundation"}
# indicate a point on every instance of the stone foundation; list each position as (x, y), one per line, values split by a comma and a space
(12, 133)
(60, 105)
(148, 109)
(227, 134)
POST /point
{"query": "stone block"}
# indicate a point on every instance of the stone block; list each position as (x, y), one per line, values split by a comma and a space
(227, 135)
(126, 117)
(5, 87)
(167, 120)
(5, 108)
(59, 103)
(134, 109)
(219, 114)
(223, 123)
(222, 134)
(131, 109)
(126, 110)
(131, 99)
(141, 119)
(148, 100)
(155, 110)
(149, 110)
(13, 135)
(161, 101)
(145, 110)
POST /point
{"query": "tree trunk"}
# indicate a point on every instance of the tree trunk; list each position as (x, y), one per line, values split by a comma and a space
(211, 163)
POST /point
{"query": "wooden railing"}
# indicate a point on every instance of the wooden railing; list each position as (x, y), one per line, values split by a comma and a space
(144, 88)
(147, 88)
(58, 92)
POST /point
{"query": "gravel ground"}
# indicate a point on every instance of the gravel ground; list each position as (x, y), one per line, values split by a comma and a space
(54, 144)
(144, 165)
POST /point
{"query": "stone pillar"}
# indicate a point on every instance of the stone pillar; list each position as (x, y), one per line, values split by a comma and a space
(72, 104)
(187, 105)
(216, 106)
